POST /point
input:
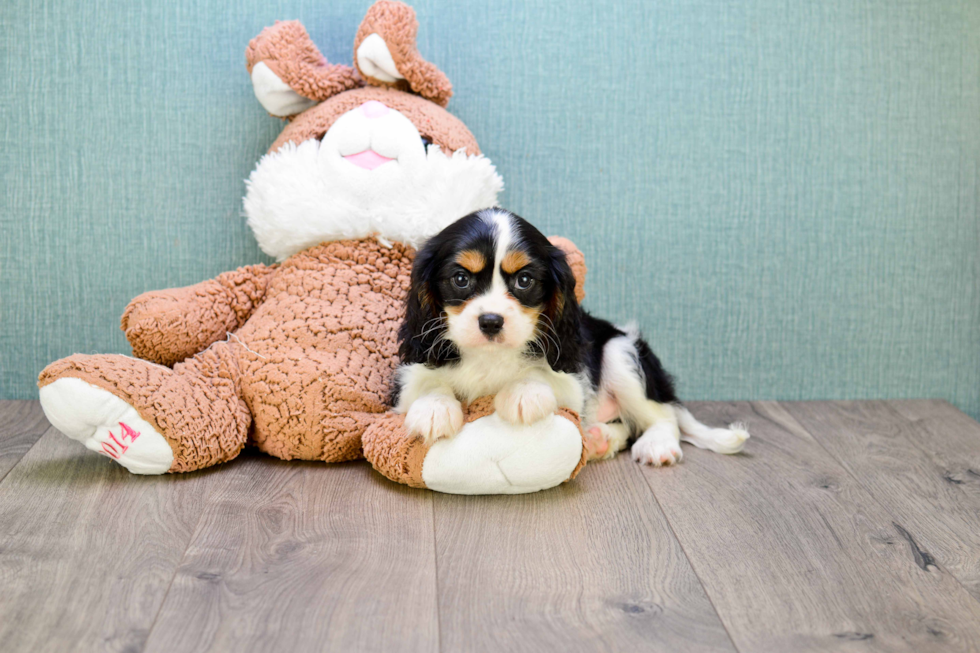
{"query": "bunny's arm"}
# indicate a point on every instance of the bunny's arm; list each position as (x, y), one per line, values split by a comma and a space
(167, 326)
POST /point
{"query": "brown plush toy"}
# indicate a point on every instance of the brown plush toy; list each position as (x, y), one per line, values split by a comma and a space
(297, 357)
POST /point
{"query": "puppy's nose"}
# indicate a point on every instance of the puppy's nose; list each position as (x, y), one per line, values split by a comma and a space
(490, 324)
(373, 109)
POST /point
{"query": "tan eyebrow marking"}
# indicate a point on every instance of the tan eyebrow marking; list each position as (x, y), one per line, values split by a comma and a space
(514, 261)
(472, 260)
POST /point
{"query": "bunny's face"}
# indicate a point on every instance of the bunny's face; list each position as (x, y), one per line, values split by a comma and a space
(346, 113)
(386, 160)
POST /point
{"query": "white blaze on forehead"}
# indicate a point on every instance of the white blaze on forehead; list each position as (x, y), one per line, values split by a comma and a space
(503, 238)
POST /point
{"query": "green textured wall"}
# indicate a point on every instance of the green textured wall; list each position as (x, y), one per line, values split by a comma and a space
(784, 194)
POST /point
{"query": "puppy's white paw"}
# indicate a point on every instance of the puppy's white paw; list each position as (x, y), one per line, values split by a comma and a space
(525, 402)
(433, 417)
(659, 445)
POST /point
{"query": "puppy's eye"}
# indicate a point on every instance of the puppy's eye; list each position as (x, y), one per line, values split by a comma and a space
(523, 281)
(461, 280)
(426, 142)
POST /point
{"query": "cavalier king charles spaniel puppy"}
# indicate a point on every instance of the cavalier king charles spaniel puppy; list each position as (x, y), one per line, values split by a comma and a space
(492, 311)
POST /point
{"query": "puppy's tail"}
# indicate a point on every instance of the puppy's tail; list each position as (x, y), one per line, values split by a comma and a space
(730, 440)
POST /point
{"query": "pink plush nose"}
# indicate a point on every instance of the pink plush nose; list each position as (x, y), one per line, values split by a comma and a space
(374, 109)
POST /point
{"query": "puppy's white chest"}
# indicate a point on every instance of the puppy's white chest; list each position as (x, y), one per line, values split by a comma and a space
(488, 372)
(481, 373)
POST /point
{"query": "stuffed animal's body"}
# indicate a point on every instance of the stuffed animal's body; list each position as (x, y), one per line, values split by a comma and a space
(306, 371)
(297, 357)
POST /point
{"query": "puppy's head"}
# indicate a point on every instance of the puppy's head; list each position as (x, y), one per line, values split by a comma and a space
(491, 280)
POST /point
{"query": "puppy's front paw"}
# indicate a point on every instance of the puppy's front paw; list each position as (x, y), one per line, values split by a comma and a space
(433, 417)
(659, 445)
(525, 402)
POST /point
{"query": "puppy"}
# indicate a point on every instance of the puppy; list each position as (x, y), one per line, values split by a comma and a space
(492, 311)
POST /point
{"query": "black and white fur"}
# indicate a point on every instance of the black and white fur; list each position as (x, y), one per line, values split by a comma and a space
(513, 328)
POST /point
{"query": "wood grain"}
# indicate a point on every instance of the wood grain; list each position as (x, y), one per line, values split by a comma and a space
(21, 424)
(921, 461)
(297, 556)
(587, 566)
(950, 437)
(797, 556)
(845, 526)
(87, 550)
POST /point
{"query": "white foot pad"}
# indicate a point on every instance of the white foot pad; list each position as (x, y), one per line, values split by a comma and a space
(106, 424)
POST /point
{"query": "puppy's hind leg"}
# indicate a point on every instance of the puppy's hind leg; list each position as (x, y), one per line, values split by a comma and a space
(631, 374)
(606, 439)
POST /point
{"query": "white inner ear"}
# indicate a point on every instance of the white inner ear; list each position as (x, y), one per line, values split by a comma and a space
(375, 60)
(274, 95)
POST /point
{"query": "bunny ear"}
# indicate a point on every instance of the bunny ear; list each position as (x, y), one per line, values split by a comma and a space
(289, 74)
(385, 53)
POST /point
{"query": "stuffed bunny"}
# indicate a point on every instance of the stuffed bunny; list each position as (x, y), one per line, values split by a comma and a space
(297, 358)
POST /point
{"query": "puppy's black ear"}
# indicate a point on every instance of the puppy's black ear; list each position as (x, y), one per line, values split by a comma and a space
(566, 318)
(424, 322)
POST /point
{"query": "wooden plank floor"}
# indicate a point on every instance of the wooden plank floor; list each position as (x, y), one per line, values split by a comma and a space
(844, 526)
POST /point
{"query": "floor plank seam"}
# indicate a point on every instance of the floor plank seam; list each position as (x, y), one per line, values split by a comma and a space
(896, 522)
(193, 538)
(680, 543)
(163, 602)
(435, 569)
(24, 455)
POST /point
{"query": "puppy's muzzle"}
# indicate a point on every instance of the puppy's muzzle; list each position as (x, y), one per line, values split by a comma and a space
(490, 324)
